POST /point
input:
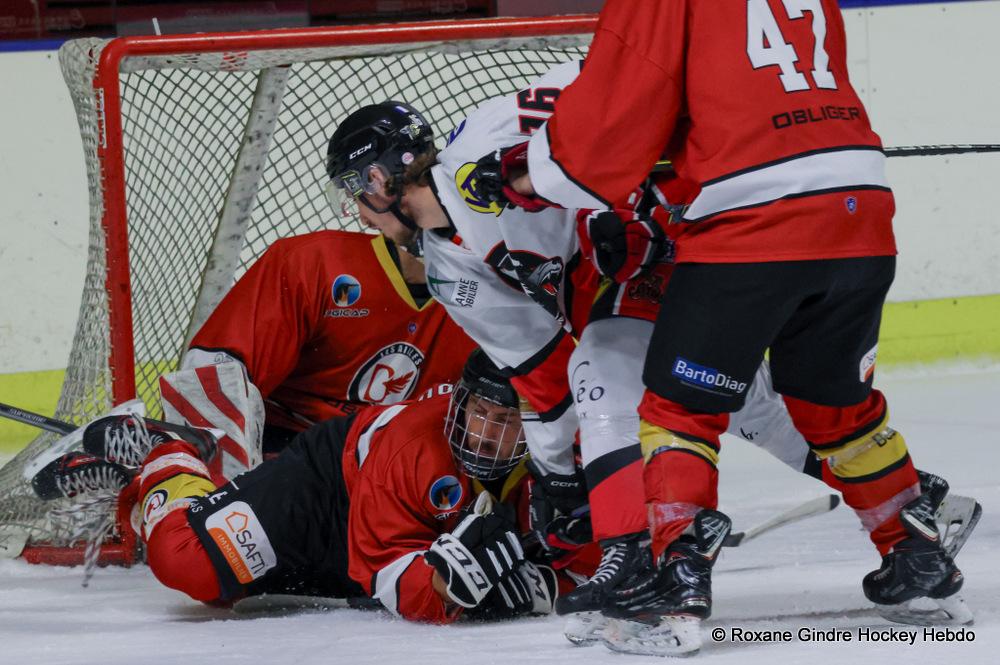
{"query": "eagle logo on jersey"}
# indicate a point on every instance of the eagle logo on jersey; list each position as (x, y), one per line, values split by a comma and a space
(466, 185)
(388, 377)
(446, 493)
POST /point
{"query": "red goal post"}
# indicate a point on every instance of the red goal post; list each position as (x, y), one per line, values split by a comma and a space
(201, 150)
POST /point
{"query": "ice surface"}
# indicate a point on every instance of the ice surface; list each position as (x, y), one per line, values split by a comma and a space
(806, 575)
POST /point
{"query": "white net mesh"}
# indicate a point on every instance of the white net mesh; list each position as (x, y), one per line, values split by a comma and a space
(192, 133)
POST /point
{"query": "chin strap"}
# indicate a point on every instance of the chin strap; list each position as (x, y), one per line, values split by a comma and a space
(403, 218)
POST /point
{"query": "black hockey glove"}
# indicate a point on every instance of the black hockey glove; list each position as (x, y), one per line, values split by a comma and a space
(482, 549)
(623, 250)
(558, 513)
(492, 178)
(531, 589)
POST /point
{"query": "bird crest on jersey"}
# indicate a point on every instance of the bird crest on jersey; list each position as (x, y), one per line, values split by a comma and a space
(388, 376)
(466, 184)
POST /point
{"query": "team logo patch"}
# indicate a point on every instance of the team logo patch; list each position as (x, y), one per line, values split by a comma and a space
(866, 369)
(466, 185)
(240, 537)
(708, 379)
(346, 290)
(535, 274)
(851, 203)
(648, 288)
(388, 376)
(446, 493)
(153, 502)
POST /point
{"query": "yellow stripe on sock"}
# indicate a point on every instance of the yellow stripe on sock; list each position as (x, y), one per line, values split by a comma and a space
(654, 440)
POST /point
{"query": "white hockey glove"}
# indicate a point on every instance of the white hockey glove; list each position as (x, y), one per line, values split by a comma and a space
(531, 589)
(482, 549)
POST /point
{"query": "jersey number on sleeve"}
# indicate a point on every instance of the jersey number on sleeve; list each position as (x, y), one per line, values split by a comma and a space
(767, 47)
(536, 99)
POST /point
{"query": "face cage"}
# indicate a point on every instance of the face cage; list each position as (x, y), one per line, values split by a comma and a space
(474, 458)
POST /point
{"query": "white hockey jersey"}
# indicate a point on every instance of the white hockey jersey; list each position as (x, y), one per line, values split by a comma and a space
(501, 276)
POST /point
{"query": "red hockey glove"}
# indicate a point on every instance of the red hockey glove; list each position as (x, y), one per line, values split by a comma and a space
(493, 173)
(623, 250)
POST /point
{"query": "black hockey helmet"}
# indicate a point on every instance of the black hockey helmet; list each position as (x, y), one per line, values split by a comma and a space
(483, 424)
(388, 136)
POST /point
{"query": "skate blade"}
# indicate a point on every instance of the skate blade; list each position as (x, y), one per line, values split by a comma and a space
(951, 611)
(677, 636)
(956, 518)
(584, 629)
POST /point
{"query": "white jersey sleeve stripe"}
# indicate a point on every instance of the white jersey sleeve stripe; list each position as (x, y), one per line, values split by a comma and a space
(551, 181)
(386, 586)
(814, 173)
(365, 440)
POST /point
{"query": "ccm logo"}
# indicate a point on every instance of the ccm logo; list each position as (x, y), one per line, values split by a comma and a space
(360, 151)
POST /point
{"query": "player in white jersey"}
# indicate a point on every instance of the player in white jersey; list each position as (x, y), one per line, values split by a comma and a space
(502, 275)
(491, 267)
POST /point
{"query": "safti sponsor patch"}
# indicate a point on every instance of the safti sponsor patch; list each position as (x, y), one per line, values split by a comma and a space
(242, 540)
(707, 378)
(867, 366)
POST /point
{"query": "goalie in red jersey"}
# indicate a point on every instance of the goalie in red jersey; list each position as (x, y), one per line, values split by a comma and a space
(419, 505)
(321, 325)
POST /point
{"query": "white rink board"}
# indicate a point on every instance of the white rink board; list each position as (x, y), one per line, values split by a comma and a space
(926, 72)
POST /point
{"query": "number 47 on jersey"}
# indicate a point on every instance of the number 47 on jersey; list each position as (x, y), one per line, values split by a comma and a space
(766, 45)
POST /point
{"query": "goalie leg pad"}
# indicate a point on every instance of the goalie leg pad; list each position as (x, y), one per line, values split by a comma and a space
(219, 397)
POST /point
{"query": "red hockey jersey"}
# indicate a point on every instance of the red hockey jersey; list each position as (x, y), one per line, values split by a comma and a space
(405, 491)
(749, 99)
(324, 323)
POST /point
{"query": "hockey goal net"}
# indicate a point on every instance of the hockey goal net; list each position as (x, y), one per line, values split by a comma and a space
(201, 150)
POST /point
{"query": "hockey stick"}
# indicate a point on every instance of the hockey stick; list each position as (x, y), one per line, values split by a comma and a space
(36, 420)
(817, 506)
(953, 149)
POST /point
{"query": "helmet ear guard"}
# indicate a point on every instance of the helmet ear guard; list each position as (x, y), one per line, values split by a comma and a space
(483, 425)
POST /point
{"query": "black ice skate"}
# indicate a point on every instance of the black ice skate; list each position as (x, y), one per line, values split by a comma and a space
(659, 610)
(918, 567)
(956, 516)
(128, 439)
(622, 556)
(78, 473)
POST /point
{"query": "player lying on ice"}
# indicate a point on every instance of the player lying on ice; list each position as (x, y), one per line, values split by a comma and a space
(465, 235)
(321, 324)
(416, 505)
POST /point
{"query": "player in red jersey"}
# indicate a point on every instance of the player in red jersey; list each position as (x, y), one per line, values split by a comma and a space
(788, 247)
(415, 505)
(321, 324)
